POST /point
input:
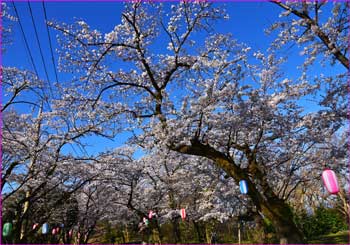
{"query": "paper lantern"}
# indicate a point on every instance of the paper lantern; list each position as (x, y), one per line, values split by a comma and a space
(243, 187)
(45, 228)
(183, 213)
(7, 229)
(54, 231)
(70, 233)
(35, 226)
(150, 214)
(146, 221)
(330, 181)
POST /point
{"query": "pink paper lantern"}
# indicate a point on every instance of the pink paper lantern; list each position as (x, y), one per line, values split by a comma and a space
(330, 181)
(70, 233)
(54, 231)
(150, 214)
(183, 213)
(35, 226)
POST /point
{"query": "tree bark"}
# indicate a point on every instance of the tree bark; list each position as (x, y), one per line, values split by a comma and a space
(345, 209)
(174, 222)
(268, 203)
(126, 235)
(199, 235)
(176, 230)
(207, 234)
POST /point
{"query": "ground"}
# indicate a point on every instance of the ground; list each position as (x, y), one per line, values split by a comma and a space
(341, 237)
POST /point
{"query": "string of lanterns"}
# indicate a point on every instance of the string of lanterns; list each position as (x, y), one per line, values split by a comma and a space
(152, 215)
(328, 176)
(8, 227)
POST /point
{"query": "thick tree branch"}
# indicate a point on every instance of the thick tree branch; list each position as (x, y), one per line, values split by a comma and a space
(322, 35)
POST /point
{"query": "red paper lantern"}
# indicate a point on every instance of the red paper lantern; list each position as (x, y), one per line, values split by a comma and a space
(183, 213)
(35, 226)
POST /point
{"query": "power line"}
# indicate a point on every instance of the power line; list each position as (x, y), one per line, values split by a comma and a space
(50, 42)
(30, 55)
(25, 40)
(40, 49)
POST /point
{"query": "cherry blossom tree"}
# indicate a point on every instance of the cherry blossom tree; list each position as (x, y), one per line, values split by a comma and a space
(35, 140)
(6, 27)
(164, 182)
(119, 194)
(206, 113)
(207, 101)
(321, 38)
(190, 183)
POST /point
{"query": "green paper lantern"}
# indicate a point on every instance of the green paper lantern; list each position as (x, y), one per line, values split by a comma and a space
(7, 229)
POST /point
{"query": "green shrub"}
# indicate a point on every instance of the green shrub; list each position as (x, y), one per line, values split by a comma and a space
(322, 222)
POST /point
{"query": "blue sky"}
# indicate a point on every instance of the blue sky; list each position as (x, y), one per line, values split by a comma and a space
(247, 23)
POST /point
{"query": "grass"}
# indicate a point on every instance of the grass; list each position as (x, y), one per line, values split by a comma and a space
(341, 237)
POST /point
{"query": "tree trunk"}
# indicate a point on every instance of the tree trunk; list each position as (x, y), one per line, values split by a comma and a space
(281, 216)
(159, 233)
(268, 203)
(199, 235)
(207, 234)
(126, 236)
(345, 207)
(174, 222)
(24, 220)
(176, 230)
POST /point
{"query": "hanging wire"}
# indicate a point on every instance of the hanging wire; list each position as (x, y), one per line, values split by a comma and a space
(50, 42)
(25, 40)
(40, 49)
(30, 56)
